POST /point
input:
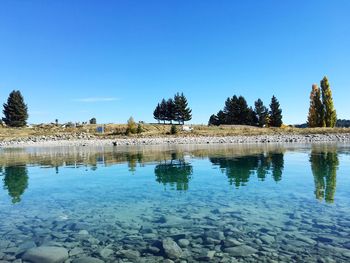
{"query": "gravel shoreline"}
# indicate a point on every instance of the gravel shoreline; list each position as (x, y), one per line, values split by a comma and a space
(86, 140)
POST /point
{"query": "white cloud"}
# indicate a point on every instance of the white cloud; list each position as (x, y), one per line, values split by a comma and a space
(96, 99)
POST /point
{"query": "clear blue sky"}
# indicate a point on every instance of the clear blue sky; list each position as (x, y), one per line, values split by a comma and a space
(74, 60)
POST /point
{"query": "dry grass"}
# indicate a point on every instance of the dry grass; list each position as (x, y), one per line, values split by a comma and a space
(159, 130)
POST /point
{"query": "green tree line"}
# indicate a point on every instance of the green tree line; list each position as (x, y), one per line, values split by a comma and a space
(237, 112)
(173, 109)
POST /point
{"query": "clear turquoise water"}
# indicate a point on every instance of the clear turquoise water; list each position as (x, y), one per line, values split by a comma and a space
(270, 203)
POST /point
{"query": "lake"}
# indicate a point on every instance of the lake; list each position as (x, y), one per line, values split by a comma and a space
(225, 203)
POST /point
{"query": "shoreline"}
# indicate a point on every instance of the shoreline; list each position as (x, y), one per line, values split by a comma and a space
(52, 141)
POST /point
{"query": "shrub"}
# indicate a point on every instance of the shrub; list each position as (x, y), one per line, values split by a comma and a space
(173, 129)
(139, 129)
(131, 126)
(93, 121)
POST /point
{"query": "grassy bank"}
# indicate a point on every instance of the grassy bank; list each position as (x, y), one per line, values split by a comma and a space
(157, 130)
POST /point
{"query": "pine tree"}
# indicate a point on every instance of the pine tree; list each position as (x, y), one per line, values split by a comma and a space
(170, 110)
(182, 111)
(213, 120)
(316, 110)
(330, 115)
(156, 113)
(252, 118)
(15, 110)
(261, 112)
(221, 117)
(163, 110)
(275, 113)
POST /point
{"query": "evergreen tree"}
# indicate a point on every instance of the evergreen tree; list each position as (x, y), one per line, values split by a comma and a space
(236, 110)
(182, 111)
(170, 110)
(15, 110)
(213, 120)
(252, 118)
(261, 113)
(330, 115)
(221, 117)
(163, 110)
(316, 110)
(275, 113)
(156, 113)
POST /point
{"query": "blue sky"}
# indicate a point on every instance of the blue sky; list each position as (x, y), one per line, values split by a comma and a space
(74, 60)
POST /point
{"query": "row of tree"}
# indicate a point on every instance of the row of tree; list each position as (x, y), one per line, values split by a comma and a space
(173, 109)
(15, 110)
(321, 111)
(236, 111)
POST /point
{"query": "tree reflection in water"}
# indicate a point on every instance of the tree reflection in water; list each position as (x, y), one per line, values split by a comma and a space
(324, 165)
(176, 173)
(15, 181)
(239, 169)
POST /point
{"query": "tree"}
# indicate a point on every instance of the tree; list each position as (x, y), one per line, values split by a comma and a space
(275, 113)
(261, 112)
(156, 113)
(252, 118)
(182, 111)
(163, 110)
(93, 121)
(15, 110)
(213, 120)
(330, 115)
(316, 110)
(221, 117)
(170, 110)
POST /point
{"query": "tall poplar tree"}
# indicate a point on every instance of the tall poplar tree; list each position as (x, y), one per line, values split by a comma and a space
(316, 110)
(275, 113)
(330, 115)
(15, 110)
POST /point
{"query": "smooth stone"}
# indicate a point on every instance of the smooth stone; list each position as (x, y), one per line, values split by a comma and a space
(240, 251)
(83, 232)
(171, 248)
(75, 251)
(46, 255)
(207, 255)
(267, 239)
(130, 254)
(168, 261)
(230, 242)
(106, 252)
(87, 260)
(183, 242)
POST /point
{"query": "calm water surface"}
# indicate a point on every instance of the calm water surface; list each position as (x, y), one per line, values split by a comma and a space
(218, 203)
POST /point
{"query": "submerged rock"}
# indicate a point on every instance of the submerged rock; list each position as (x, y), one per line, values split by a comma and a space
(240, 251)
(87, 260)
(171, 248)
(46, 255)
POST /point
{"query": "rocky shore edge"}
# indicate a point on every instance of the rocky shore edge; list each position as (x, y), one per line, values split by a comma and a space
(88, 140)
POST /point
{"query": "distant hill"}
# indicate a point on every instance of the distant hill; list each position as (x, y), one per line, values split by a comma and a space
(339, 124)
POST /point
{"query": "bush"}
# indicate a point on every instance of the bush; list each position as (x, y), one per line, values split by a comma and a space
(131, 127)
(93, 121)
(139, 129)
(173, 129)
